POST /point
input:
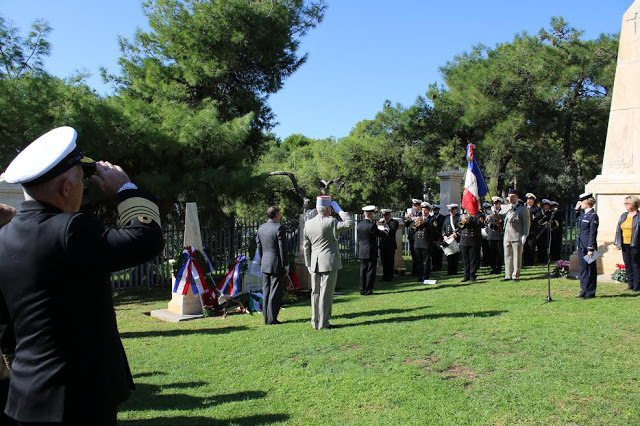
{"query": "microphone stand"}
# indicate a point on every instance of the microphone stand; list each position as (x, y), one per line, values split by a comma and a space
(549, 299)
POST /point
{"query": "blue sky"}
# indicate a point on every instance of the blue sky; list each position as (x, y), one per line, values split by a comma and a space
(363, 53)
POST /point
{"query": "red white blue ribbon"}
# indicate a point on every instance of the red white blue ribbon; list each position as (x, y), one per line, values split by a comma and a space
(474, 186)
(230, 284)
(190, 274)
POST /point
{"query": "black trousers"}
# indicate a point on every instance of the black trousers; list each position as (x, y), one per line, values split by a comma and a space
(496, 255)
(452, 263)
(485, 252)
(387, 259)
(414, 259)
(436, 257)
(471, 260)
(367, 275)
(631, 258)
(543, 246)
(588, 275)
(556, 245)
(424, 263)
(529, 251)
(272, 290)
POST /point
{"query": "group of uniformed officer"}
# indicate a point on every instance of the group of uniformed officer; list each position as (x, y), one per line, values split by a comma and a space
(478, 238)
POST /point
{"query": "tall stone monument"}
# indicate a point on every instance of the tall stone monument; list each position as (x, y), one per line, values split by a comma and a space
(450, 188)
(185, 306)
(621, 164)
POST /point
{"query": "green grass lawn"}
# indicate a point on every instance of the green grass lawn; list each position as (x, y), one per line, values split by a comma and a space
(490, 352)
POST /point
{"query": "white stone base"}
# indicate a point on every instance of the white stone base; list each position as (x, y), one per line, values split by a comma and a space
(168, 316)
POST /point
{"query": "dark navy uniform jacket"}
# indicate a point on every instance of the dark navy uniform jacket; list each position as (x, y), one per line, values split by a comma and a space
(588, 225)
(389, 242)
(425, 233)
(471, 229)
(368, 234)
(55, 287)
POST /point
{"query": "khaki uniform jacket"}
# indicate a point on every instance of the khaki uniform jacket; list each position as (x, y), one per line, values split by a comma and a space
(516, 223)
(321, 251)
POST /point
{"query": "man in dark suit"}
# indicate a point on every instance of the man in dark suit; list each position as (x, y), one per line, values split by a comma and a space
(494, 224)
(436, 250)
(587, 244)
(7, 335)
(368, 233)
(69, 369)
(274, 263)
(388, 245)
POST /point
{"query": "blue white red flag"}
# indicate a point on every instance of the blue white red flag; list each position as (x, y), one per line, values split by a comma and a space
(474, 186)
(190, 274)
(230, 284)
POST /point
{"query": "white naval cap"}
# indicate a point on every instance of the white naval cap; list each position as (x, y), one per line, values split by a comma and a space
(323, 201)
(426, 204)
(545, 201)
(486, 204)
(415, 201)
(553, 203)
(452, 206)
(436, 206)
(585, 195)
(530, 195)
(495, 199)
(385, 211)
(50, 155)
(368, 208)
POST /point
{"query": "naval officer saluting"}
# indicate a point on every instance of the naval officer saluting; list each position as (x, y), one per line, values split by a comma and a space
(368, 233)
(588, 224)
(55, 261)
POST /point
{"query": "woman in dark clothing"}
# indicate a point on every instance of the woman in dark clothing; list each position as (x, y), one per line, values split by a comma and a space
(627, 241)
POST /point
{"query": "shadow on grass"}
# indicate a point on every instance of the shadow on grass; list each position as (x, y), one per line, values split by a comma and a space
(181, 332)
(480, 314)
(155, 397)
(141, 295)
(636, 294)
(431, 287)
(182, 420)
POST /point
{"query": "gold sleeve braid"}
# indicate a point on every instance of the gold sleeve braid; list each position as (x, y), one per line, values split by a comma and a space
(143, 209)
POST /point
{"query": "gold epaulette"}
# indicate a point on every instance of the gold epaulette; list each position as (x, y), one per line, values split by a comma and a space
(138, 207)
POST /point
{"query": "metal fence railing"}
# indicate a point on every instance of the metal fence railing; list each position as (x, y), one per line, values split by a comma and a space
(238, 237)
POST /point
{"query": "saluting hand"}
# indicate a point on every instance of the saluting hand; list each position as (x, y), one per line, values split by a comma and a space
(109, 177)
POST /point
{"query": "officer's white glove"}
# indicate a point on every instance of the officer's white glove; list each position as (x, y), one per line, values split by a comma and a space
(493, 208)
(524, 239)
(578, 205)
(336, 207)
(310, 270)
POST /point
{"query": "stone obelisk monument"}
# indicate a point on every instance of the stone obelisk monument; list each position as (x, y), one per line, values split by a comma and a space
(621, 165)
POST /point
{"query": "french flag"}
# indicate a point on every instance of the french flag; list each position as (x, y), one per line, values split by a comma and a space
(474, 186)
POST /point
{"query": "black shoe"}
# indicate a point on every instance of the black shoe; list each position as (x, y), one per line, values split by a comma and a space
(473, 280)
(464, 280)
(516, 280)
(506, 279)
(331, 326)
(580, 296)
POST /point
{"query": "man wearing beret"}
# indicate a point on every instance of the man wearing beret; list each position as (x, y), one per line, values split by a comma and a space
(368, 233)
(322, 257)
(70, 366)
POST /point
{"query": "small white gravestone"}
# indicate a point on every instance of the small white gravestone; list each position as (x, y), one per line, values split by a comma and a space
(185, 306)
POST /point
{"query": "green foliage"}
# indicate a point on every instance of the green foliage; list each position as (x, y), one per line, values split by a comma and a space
(19, 55)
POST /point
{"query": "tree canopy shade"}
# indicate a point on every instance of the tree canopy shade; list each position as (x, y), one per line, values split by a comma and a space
(536, 107)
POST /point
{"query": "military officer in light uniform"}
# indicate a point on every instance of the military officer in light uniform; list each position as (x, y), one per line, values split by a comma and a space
(516, 229)
(586, 242)
(322, 257)
(56, 262)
